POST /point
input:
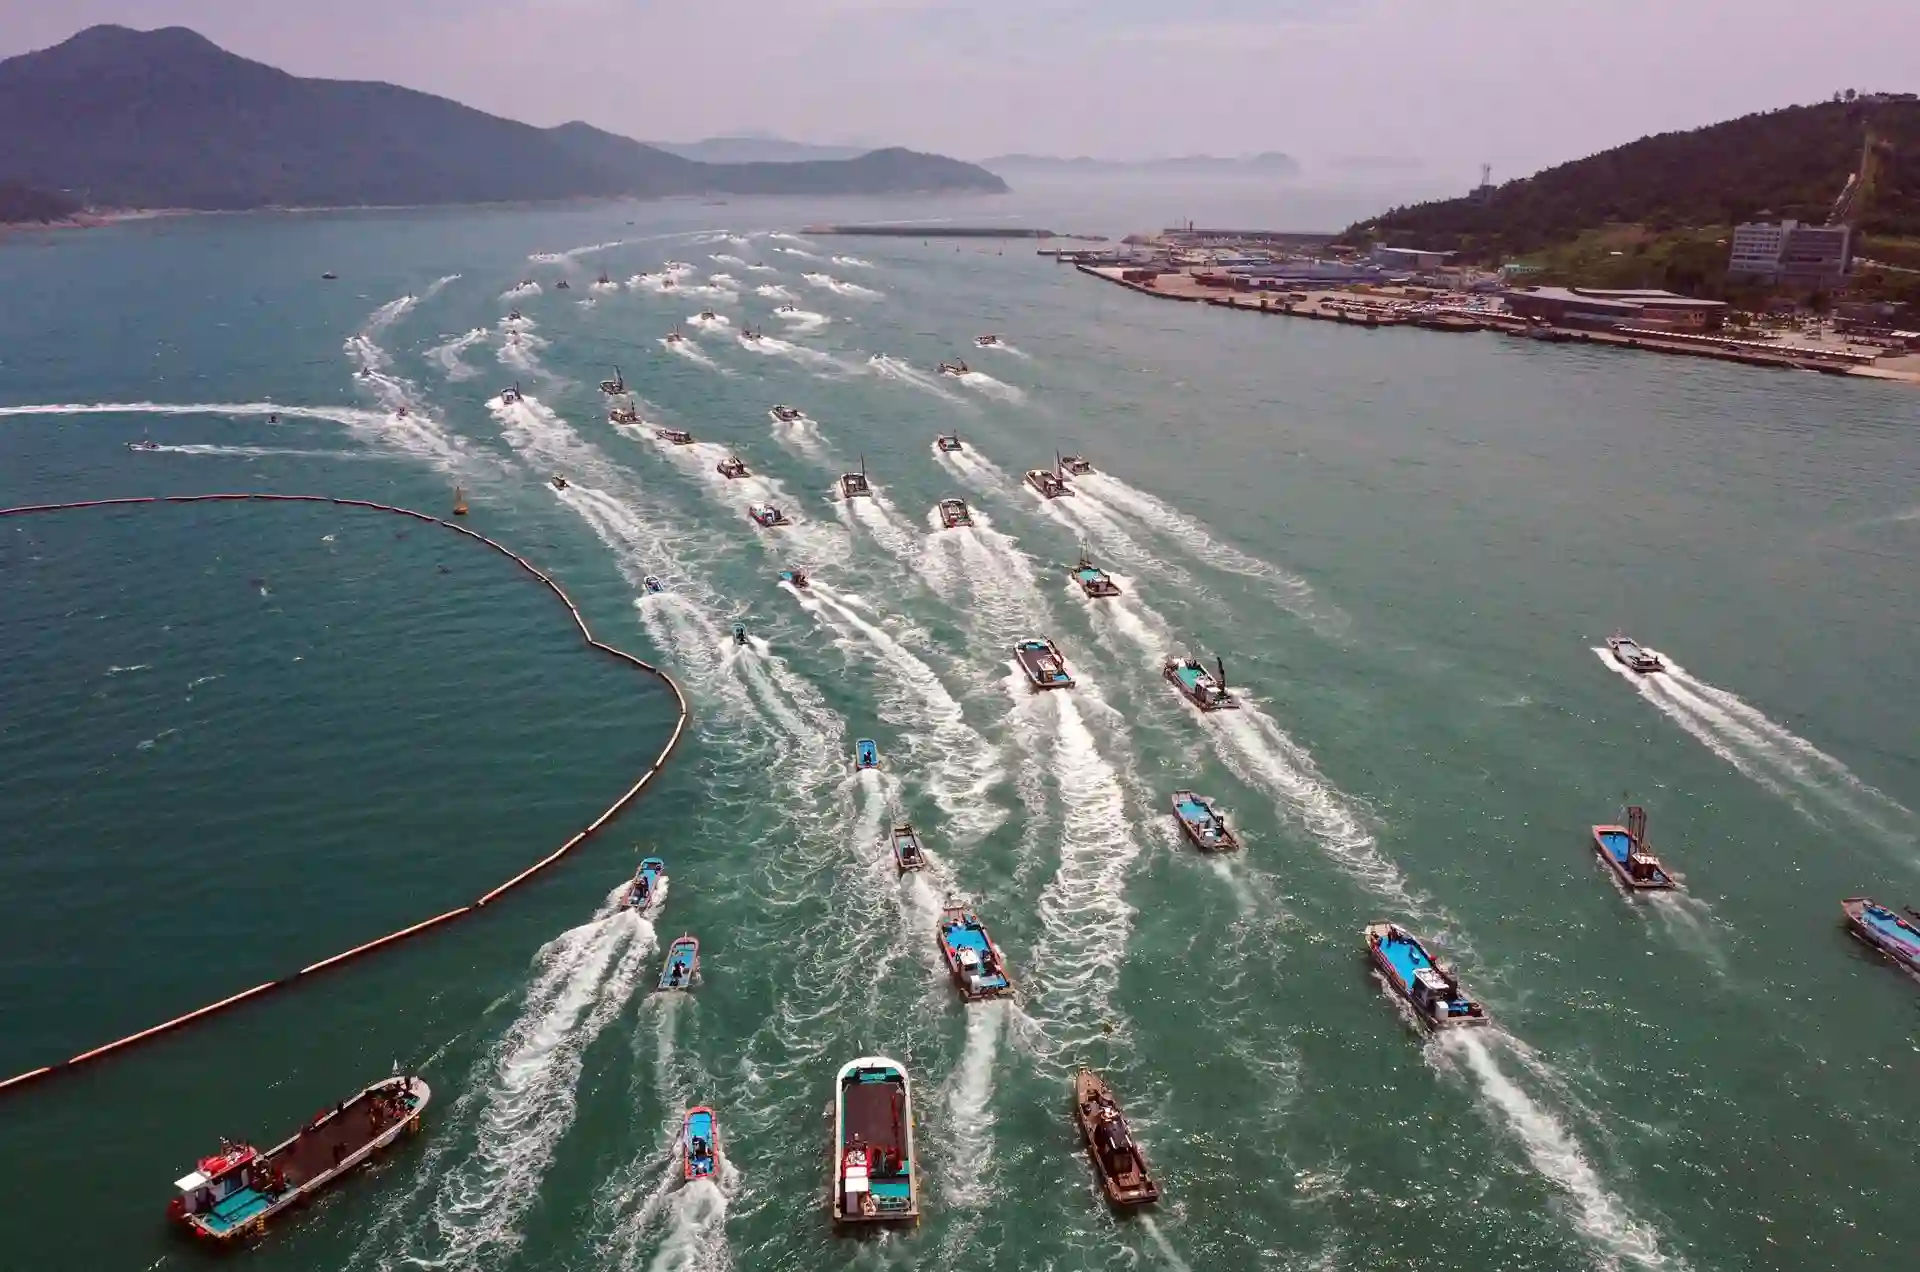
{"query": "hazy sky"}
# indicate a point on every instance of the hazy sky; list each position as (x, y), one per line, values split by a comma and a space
(1517, 83)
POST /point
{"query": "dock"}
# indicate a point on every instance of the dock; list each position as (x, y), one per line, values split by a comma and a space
(909, 230)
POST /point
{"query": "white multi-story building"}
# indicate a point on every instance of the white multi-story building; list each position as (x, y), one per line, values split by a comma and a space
(1789, 252)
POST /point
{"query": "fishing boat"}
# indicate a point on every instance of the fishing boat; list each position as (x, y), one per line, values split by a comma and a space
(766, 514)
(954, 513)
(645, 888)
(786, 309)
(1040, 659)
(652, 584)
(866, 754)
(510, 396)
(947, 442)
(603, 280)
(232, 1194)
(740, 634)
(676, 436)
(1428, 986)
(144, 444)
(1075, 465)
(559, 482)
(854, 485)
(1624, 849)
(682, 965)
(796, 578)
(1896, 937)
(624, 415)
(676, 336)
(1199, 686)
(988, 341)
(750, 336)
(700, 1142)
(973, 960)
(1118, 1161)
(1206, 828)
(1632, 655)
(787, 414)
(459, 501)
(1093, 580)
(871, 1161)
(563, 285)
(400, 412)
(329, 276)
(906, 847)
(1048, 482)
(616, 386)
(732, 467)
(707, 315)
(955, 369)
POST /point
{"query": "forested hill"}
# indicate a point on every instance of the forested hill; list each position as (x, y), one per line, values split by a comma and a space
(166, 119)
(1789, 163)
(18, 205)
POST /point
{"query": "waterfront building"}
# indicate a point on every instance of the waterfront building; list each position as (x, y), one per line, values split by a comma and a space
(1407, 258)
(1616, 307)
(1790, 253)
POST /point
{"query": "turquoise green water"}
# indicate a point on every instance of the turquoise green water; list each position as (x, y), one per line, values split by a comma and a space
(237, 739)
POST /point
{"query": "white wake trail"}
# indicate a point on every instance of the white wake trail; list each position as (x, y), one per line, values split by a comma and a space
(448, 354)
(970, 1116)
(891, 368)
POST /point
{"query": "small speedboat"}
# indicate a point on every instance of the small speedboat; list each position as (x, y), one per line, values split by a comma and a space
(873, 1159)
(1093, 580)
(1075, 465)
(988, 341)
(1206, 828)
(400, 413)
(513, 315)
(955, 369)
(732, 467)
(855, 485)
(1197, 685)
(624, 415)
(1894, 936)
(1624, 849)
(563, 285)
(603, 280)
(559, 482)
(1049, 483)
(1040, 659)
(1121, 1165)
(740, 634)
(766, 514)
(1429, 987)
(329, 276)
(751, 336)
(973, 960)
(616, 386)
(1630, 654)
(645, 888)
(796, 578)
(947, 442)
(676, 436)
(786, 309)
(954, 513)
(682, 965)
(231, 1194)
(512, 395)
(144, 444)
(786, 414)
(707, 315)
(906, 847)
(700, 1139)
(866, 754)
(675, 337)
(652, 584)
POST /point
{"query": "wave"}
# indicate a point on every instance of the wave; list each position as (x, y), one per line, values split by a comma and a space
(726, 258)
(892, 368)
(798, 251)
(727, 281)
(520, 350)
(775, 347)
(527, 288)
(853, 261)
(758, 268)
(690, 351)
(715, 323)
(970, 1118)
(841, 288)
(448, 354)
(573, 253)
(985, 383)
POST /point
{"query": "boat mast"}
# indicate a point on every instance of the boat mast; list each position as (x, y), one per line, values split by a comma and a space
(1637, 825)
(1221, 666)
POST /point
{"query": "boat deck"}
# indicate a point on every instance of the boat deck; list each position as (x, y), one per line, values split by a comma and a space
(874, 1114)
(1616, 841)
(1404, 956)
(310, 1154)
(1890, 928)
(962, 937)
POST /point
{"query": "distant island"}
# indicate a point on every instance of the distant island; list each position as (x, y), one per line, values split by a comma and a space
(21, 205)
(167, 119)
(754, 149)
(1660, 212)
(1268, 164)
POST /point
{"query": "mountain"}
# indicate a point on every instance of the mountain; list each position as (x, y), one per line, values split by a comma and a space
(1269, 164)
(168, 119)
(20, 204)
(756, 150)
(1784, 163)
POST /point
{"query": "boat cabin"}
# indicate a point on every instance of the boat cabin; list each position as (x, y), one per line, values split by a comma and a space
(1040, 659)
(624, 415)
(1197, 686)
(787, 414)
(798, 578)
(947, 442)
(854, 485)
(510, 396)
(1093, 580)
(973, 960)
(955, 369)
(906, 848)
(1632, 655)
(766, 514)
(732, 467)
(676, 436)
(1048, 482)
(1076, 465)
(615, 386)
(866, 753)
(954, 513)
(987, 341)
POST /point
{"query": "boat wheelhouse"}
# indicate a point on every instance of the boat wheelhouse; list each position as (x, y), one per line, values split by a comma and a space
(617, 385)
(1634, 656)
(707, 315)
(907, 852)
(644, 891)
(973, 960)
(955, 513)
(947, 442)
(732, 467)
(144, 444)
(233, 1193)
(682, 965)
(1893, 935)
(866, 753)
(1093, 580)
(624, 415)
(1075, 465)
(955, 369)
(872, 1163)
(1040, 659)
(787, 414)
(676, 436)
(1049, 483)
(1117, 1159)
(797, 579)
(1624, 849)
(603, 280)
(855, 485)
(1199, 686)
(700, 1143)
(1205, 827)
(1430, 987)
(766, 514)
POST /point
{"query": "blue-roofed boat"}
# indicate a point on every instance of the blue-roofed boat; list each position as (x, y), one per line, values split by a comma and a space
(907, 852)
(1430, 987)
(1203, 826)
(1040, 659)
(1632, 655)
(645, 888)
(973, 960)
(700, 1140)
(231, 1194)
(796, 578)
(1093, 580)
(1624, 849)
(872, 1170)
(682, 965)
(866, 754)
(1199, 686)
(1893, 935)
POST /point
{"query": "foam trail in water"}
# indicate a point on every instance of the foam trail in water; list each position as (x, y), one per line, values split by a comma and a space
(984, 383)
(715, 322)
(255, 452)
(853, 261)
(970, 1109)
(774, 291)
(1600, 1216)
(841, 288)
(803, 320)
(798, 251)
(892, 368)
(448, 354)
(726, 258)
(1159, 1239)
(775, 347)
(690, 351)
(801, 436)
(884, 523)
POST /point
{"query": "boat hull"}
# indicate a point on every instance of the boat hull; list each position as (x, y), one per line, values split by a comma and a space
(908, 852)
(1384, 950)
(1878, 927)
(1203, 827)
(1614, 845)
(682, 966)
(1127, 1187)
(699, 1125)
(873, 1107)
(1048, 484)
(1041, 662)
